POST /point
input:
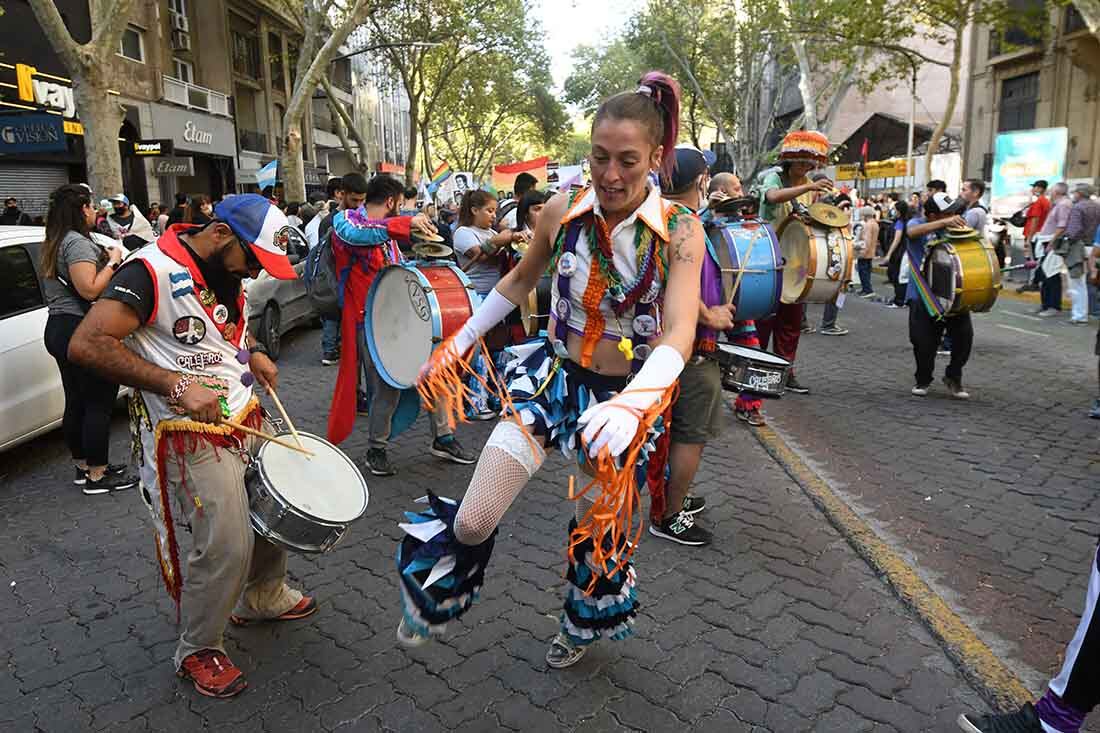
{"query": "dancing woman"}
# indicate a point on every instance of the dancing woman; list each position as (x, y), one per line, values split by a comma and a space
(625, 299)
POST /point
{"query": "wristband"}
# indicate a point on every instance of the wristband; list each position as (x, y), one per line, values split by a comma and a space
(258, 348)
(657, 374)
(176, 393)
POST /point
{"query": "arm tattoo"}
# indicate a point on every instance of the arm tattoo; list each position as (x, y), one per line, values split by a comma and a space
(685, 228)
(111, 358)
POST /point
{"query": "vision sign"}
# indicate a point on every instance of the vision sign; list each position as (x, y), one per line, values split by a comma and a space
(39, 133)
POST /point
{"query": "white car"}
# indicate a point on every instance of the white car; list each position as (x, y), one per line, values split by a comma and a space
(32, 401)
(276, 306)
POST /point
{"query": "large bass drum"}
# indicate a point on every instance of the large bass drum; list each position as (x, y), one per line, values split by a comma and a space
(818, 258)
(410, 310)
(304, 503)
(963, 275)
(751, 265)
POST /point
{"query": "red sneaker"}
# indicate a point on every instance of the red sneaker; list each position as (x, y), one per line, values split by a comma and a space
(213, 674)
(305, 607)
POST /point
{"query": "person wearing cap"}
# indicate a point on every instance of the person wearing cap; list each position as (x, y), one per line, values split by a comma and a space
(180, 307)
(1084, 219)
(1049, 284)
(127, 224)
(697, 413)
(926, 330)
(780, 189)
(1037, 210)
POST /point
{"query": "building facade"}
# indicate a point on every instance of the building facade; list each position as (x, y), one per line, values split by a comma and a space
(1025, 79)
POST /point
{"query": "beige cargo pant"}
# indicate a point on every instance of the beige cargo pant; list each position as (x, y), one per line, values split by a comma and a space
(230, 568)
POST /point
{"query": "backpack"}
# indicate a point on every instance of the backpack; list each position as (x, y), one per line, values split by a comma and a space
(1019, 218)
(321, 279)
(505, 210)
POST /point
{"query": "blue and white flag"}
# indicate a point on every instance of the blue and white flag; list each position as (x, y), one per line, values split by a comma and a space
(267, 175)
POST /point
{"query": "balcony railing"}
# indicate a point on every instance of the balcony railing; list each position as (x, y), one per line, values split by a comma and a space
(252, 140)
(195, 97)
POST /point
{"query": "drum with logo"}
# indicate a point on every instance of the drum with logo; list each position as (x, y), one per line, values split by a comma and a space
(752, 371)
(818, 258)
(963, 274)
(751, 265)
(410, 310)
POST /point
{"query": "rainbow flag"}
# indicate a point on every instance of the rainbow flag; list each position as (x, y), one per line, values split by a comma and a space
(442, 173)
(504, 176)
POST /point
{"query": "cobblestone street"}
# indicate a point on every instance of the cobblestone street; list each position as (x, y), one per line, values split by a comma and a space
(779, 626)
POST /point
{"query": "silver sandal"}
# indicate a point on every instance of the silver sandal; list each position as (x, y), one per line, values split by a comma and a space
(563, 652)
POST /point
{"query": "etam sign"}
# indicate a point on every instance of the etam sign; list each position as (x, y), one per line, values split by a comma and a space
(46, 90)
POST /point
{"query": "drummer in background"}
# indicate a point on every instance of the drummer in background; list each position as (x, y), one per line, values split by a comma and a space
(180, 306)
(697, 413)
(364, 241)
(925, 332)
(747, 408)
(780, 189)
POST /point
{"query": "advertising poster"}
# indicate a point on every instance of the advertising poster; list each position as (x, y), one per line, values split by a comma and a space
(1020, 158)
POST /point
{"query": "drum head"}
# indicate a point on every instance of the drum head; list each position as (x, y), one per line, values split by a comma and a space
(326, 485)
(748, 352)
(399, 326)
(829, 215)
(795, 243)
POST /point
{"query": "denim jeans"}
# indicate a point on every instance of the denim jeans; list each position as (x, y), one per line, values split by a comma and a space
(863, 266)
(829, 316)
(330, 336)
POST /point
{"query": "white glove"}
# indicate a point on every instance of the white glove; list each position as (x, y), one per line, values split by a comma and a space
(609, 424)
(494, 309)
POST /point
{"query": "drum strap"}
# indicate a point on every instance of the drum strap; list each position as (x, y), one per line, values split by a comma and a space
(927, 298)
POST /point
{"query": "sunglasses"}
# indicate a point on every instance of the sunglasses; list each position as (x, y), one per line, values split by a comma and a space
(250, 260)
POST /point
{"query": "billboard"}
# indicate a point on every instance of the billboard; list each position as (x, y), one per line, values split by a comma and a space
(1019, 159)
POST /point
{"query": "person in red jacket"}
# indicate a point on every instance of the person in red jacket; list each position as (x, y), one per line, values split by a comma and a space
(1037, 210)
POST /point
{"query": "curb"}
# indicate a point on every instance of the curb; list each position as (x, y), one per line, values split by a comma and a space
(999, 685)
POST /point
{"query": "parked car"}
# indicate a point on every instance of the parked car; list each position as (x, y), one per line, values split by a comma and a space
(276, 306)
(31, 397)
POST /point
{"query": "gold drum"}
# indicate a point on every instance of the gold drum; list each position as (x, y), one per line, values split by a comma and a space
(963, 274)
(817, 260)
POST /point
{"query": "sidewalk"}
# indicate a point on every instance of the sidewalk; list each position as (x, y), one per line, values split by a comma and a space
(779, 626)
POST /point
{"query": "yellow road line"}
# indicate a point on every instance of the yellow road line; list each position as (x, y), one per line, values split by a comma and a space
(999, 684)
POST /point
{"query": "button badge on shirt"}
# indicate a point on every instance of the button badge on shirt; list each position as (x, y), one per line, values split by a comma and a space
(644, 325)
(563, 309)
(567, 264)
(221, 314)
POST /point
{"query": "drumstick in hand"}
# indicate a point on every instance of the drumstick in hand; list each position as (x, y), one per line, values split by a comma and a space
(264, 436)
(282, 411)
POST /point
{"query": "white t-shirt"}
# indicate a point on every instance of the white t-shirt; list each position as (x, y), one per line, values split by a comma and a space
(484, 275)
(313, 229)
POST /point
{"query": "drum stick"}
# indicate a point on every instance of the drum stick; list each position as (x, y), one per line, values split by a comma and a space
(264, 436)
(741, 272)
(282, 411)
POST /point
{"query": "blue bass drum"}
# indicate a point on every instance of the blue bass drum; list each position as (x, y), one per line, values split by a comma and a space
(751, 265)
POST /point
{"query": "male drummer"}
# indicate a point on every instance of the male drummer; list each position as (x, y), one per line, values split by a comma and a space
(181, 305)
(926, 330)
(697, 413)
(781, 189)
(365, 241)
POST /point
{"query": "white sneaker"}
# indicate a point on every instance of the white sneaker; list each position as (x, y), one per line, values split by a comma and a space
(1047, 313)
(919, 390)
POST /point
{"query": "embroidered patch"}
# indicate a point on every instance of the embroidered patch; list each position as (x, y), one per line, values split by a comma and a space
(198, 361)
(185, 290)
(282, 238)
(221, 314)
(179, 277)
(189, 330)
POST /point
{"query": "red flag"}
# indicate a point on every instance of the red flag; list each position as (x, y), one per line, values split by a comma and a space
(864, 151)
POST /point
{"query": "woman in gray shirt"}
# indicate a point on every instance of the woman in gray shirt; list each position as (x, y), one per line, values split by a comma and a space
(75, 271)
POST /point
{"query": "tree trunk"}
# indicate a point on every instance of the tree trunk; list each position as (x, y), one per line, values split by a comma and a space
(293, 164)
(949, 108)
(425, 144)
(414, 125)
(101, 115)
(806, 84)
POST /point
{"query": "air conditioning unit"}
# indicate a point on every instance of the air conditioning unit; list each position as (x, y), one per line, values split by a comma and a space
(181, 41)
(179, 22)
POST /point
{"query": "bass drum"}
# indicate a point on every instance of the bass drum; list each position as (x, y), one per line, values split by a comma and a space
(750, 262)
(411, 309)
(818, 258)
(535, 309)
(963, 275)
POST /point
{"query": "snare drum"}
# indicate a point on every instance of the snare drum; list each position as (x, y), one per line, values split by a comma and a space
(963, 274)
(411, 309)
(301, 502)
(750, 260)
(818, 260)
(752, 371)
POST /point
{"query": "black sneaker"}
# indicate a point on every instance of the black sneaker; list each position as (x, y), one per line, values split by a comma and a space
(694, 504)
(681, 528)
(330, 360)
(1024, 720)
(109, 483)
(795, 386)
(362, 404)
(378, 463)
(448, 447)
(113, 469)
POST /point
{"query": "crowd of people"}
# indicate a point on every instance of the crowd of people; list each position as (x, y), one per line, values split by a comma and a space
(621, 378)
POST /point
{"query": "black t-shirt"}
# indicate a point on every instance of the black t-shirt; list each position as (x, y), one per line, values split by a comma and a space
(133, 285)
(175, 216)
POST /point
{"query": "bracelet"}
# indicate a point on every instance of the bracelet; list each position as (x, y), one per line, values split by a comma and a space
(181, 385)
(258, 348)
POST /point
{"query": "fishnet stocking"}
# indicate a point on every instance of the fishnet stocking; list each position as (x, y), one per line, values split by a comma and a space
(497, 481)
